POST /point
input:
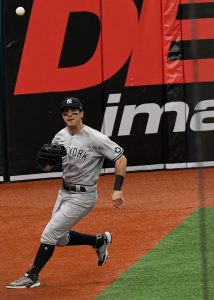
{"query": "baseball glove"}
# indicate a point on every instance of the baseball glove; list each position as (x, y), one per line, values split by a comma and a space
(50, 154)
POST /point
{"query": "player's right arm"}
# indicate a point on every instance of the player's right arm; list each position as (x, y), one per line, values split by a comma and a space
(112, 151)
(120, 172)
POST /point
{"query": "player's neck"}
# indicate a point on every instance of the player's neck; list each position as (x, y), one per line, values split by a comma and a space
(75, 130)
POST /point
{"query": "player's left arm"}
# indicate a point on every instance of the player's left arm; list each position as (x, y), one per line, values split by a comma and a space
(50, 156)
(120, 173)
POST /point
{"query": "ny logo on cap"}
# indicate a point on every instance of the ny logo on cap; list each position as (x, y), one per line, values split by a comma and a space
(69, 101)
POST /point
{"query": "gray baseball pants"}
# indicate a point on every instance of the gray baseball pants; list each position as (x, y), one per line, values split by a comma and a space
(69, 209)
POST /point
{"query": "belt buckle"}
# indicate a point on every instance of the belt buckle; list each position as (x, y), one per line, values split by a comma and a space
(74, 188)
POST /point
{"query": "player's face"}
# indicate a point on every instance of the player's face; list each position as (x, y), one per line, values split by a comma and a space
(72, 117)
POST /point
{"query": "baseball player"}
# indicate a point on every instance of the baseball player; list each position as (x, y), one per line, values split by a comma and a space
(81, 151)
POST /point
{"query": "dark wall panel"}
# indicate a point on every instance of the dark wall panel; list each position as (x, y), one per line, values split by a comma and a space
(2, 143)
(34, 118)
(2, 92)
(132, 63)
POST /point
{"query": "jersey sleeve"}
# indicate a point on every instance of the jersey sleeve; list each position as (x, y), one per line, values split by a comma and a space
(58, 138)
(106, 147)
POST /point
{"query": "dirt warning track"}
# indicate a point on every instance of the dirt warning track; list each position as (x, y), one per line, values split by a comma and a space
(155, 202)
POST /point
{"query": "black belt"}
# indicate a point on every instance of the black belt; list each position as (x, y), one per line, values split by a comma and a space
(73, 188)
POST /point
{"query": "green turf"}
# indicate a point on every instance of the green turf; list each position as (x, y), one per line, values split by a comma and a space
(175, 268)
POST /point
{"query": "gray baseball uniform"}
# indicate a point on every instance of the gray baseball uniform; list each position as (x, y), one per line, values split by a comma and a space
(81, 168)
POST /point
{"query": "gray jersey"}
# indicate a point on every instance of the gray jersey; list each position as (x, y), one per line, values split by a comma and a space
(86, 151)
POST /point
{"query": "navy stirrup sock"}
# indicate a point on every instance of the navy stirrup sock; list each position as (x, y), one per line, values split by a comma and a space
(77, 238)
(43, 255)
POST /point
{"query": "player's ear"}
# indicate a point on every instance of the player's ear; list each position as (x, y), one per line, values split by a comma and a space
(82, 114)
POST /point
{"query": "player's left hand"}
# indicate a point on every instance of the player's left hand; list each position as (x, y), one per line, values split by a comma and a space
(117, 199)
(50, 156)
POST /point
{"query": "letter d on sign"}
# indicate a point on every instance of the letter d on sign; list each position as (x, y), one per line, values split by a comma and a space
(39, 71)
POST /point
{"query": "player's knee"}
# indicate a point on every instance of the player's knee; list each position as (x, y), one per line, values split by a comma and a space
(48, 238)
(62, 242)
(51, 239)
(60, 245)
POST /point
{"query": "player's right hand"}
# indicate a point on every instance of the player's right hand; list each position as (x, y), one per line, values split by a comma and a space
(117, 199)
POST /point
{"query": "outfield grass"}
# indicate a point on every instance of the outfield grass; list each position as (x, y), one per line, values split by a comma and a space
(176, 268)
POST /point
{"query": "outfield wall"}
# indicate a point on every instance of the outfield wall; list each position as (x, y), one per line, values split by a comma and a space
(144, 71)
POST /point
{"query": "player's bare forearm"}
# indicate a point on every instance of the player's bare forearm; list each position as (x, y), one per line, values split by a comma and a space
(120, 172)
(120, 166)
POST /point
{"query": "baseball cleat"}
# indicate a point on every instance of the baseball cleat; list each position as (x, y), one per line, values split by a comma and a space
(27, 281)
(102, 251)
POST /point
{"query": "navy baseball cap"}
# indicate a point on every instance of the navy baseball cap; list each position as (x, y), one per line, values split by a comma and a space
(71, 102)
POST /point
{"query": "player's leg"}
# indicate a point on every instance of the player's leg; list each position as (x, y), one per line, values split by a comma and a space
(75, 208)
(99, 241)
(57, 232)
(46, 248)
(66, 214)
(30, 278)
(44, 253)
